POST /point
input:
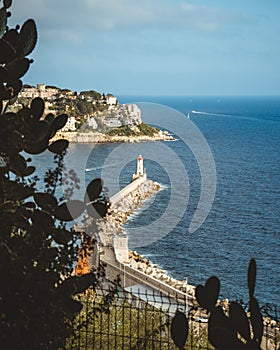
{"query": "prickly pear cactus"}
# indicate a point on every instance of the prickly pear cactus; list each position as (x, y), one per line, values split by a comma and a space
(235, 330)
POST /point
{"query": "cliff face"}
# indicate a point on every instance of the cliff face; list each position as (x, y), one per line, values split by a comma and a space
(114, 116)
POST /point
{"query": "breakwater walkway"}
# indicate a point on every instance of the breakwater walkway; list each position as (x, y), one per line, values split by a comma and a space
(112, 244)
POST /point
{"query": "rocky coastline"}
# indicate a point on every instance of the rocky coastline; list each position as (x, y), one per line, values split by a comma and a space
(96, 137)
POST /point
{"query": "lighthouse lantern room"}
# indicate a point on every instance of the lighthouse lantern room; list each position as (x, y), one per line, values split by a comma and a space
(140, 172)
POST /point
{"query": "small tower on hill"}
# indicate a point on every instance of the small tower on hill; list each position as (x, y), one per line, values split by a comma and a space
(140, 171)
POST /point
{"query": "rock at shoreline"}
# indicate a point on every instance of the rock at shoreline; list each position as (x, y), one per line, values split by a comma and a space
(95, 137)
(119, 213)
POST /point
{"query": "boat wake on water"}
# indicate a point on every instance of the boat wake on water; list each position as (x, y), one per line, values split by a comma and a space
(100, 167)
(225, 115)
(216, 114)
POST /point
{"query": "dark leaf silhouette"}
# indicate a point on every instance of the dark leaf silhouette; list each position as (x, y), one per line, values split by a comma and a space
(12, 100)
(74, 284)
(28, 38)
(8, 206)
(239, 320)
(256, 319)
(39, 131)
(17, 191)
(7, 3)
(37, 252)
(3, 74)
(72, 306)
(36, 147)
(218, 319)
(4, 93)
(224, 339)
(42, 219)
(49, 118)
(17, 68)
(3, 20)
(7, 52)
(207, 296)
(224, 331)
(58, 123)
(12, 37)
(29, 170)
(61, 236)
(23, 114)
(58, 146)
(252, 270)
(1, 195)
(179, 329)
(69, 210)
(18, 164)
(14, 88)
(42, 199)
(37, 107)
(93, 190)
(97, 210)
(29, 205)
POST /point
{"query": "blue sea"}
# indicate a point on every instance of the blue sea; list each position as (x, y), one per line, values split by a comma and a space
(243, 135)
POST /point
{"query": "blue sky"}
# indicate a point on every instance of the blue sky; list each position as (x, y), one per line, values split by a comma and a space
(156, 47)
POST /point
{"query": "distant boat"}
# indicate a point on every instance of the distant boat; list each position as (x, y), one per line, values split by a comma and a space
(194, 111)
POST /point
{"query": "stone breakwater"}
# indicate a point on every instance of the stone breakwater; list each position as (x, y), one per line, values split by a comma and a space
(119, 212)
(113, 225)
(144, 265)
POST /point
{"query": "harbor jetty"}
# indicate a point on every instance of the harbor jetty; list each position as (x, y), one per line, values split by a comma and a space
(111, 248)
(138, 276)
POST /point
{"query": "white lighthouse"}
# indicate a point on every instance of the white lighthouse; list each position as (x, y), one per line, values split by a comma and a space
(139, 169)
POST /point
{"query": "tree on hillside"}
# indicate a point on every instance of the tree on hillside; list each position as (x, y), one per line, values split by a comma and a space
(37, 249)
(91, 93)
(52, 87)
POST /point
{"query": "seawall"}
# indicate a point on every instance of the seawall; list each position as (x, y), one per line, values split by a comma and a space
(127, 190)
(131, 267)
(123, 204)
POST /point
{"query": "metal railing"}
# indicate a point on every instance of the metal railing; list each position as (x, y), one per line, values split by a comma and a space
(141, 320)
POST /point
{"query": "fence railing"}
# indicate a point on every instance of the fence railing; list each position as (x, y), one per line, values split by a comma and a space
(142, 320)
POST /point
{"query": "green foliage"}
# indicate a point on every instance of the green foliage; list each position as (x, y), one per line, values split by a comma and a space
(91, 93)
(122, 131)
(37, 249)
(78, 108)
(118, 325)
(143, 129)
(48, 87)
(120, 321)
(146, 129)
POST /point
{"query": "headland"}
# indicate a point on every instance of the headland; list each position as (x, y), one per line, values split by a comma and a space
(97, 137)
